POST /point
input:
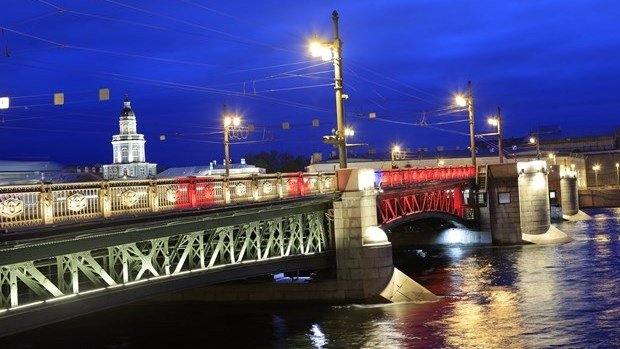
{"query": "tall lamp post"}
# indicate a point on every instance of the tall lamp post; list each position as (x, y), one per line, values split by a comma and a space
(535, 140)
(618, 173)
(468, 101)
(230, 122)
(333, 51)
(497, 122)
(395, 151)
(595, 168)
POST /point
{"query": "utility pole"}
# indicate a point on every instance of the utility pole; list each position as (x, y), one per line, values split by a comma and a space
(338, 86)
(499, 137)
(472, 136)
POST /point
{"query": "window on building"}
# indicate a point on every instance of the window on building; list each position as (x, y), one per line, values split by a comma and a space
(124, 152)
(142, 171)
(503, 198)
(136, 153)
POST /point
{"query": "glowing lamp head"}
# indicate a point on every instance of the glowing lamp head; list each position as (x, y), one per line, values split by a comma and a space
(617, 165)
(532, 140)
(236, 121)
(317, 49)
(349, 132)
(596, 168)
(395, 149)
(551, 155)
(493, 121)
(227, 121)
(4, 102)
(460, 100)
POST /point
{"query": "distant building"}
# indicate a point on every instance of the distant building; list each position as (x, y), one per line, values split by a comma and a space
(128, 150)
(35, 172)
(211, 170)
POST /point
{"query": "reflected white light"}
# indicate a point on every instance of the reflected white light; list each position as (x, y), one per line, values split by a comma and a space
(317, 337)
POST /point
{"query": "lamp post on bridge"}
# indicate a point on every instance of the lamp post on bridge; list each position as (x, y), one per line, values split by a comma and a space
(232, 123)
(333, 51)
(497, 122)
(468, 101)
(617, 173)
(536, 141)
(596, 168)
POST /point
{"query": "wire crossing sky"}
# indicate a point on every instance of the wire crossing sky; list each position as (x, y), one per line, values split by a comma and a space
(545, 63)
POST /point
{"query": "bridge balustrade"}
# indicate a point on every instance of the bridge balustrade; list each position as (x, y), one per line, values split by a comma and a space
(40, 204)
(406, 176)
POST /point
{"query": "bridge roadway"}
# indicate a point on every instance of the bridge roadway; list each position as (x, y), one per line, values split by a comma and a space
(47, 294)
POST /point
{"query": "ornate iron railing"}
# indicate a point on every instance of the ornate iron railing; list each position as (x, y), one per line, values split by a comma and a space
(43, 204)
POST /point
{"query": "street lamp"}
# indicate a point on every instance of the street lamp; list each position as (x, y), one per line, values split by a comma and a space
(595, 168)
(395, 152)
(230, 124)
(552, 157)
(468, 101)
(333, 51)
(618, 173)
(534, 140)
(497, 122)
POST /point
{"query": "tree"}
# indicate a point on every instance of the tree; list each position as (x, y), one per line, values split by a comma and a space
(275, 161)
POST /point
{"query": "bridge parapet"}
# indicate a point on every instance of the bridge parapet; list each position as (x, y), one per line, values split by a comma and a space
(40, 204)
(405, 176)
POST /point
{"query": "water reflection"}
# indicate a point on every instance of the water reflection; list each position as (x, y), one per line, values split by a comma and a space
(520, 297)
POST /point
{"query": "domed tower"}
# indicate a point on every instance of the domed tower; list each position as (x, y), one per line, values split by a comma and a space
(129, 159)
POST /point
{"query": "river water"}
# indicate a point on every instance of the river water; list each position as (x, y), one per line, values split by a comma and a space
(561, 296)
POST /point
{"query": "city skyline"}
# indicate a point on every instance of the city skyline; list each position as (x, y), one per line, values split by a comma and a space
(543, 64)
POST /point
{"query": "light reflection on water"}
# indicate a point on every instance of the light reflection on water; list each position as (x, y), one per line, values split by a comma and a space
(564, 296)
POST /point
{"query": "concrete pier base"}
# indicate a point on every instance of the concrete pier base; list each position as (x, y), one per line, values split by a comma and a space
(579, 216)
(552, 236)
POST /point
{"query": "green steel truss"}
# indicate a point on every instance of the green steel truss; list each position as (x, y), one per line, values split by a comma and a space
(31, 282)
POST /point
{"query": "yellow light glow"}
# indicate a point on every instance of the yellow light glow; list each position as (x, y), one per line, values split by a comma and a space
(349, 132)
(493, 121)
(236, 121)
(227, 121)
(395, 149)
(551, 155)
(532, 140)
(440, 163)
(317, 49)
(460, 100)
(596, 167)
(617, 165)
(4, 102)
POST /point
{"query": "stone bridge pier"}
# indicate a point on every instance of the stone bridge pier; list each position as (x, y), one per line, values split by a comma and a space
(365, 268)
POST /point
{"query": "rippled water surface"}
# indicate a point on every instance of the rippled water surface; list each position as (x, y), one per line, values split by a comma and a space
(562, 296)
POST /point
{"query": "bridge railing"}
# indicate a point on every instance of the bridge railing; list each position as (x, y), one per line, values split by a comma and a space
(43, 204)
(406, 176)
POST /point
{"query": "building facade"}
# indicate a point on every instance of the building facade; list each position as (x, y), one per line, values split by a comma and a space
(129, 160)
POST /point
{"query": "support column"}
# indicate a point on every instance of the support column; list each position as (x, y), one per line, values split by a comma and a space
(365, 268)
(569, 192)
(534, 207)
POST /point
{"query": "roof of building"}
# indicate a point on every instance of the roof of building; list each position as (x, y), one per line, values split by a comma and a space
(127, 111)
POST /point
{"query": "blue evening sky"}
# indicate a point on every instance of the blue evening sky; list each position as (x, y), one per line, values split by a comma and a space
(179, 61)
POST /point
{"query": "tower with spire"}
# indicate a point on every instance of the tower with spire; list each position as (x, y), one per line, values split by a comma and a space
(129, 161)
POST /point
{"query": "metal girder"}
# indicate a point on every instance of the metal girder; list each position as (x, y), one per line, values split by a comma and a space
(75, 273)
(394, 207)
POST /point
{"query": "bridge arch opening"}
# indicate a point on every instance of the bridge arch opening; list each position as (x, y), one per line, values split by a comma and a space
(433, 229)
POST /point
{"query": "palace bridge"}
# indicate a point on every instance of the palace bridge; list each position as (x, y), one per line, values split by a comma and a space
(74, 248)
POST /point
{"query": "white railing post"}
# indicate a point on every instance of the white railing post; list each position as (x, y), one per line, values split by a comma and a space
(46, 207)
(255, 191)
(225, 191)
(105, 201)
(279, 185)
(153, 199)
